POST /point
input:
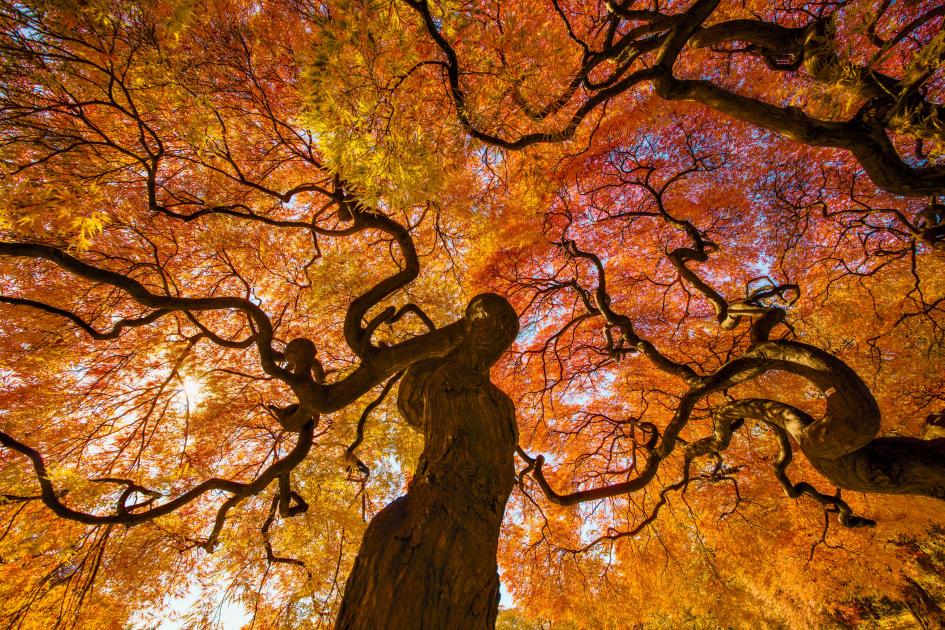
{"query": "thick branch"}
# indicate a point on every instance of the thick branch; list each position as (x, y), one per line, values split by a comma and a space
(237, 489)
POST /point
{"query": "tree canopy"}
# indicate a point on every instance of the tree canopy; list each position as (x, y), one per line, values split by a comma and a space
(256, 263)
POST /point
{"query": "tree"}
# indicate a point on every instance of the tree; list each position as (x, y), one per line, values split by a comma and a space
(231, 231)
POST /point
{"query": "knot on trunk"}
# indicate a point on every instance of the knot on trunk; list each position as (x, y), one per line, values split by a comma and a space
(490, 326)
(934, 426)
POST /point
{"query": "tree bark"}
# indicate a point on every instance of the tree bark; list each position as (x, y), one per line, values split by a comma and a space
(842, 445)
(428, 560)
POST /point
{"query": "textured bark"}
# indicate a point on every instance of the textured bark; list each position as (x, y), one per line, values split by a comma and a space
(843, 445)
(891, 465)
(428, 560)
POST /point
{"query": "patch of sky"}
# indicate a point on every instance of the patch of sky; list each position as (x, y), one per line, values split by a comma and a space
(391, 464)
(298, 207)
(552, 460)
(8, 377)
(589, 531)
(79, 371)
(27, 31)
(177, 612)
(763, 264)
(601, 387)
(528, 332)
(490, 158)
(505, 597)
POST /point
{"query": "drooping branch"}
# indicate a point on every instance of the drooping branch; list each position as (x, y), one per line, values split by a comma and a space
(165, 303)
(362, 469)
(601, 305)
(113, 333)
(125, 516)
(267, 543)
(794, 490)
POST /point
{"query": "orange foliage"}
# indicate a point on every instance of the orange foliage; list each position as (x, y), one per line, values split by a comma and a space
(217, 148)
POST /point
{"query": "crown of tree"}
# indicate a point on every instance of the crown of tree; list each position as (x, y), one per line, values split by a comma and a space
(330, 312)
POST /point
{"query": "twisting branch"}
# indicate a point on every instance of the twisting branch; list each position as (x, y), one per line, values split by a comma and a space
(267, 542)
(362, 468)
(124, 516)
(314, 398)
(358, 336)
(131, 488)
(113, 333)
(601, 305)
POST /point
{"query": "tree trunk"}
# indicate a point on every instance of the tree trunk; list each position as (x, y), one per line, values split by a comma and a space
(428, 560)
